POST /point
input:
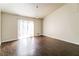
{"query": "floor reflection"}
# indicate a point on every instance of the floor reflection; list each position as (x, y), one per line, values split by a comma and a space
(39, 46)
(26, 46)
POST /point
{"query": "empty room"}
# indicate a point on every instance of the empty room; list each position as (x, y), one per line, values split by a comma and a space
(39, 29)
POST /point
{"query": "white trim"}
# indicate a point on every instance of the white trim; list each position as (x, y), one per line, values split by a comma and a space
(8, 40)
(61, 39)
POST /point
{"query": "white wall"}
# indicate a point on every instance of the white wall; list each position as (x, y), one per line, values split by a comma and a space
(63, 23)
(9, 26)
(0, 26)
(38, 27)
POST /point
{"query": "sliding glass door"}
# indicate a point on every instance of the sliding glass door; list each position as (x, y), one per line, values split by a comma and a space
(25, 29)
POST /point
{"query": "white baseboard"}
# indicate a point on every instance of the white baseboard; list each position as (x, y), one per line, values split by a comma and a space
(62, 39)
(8, 40)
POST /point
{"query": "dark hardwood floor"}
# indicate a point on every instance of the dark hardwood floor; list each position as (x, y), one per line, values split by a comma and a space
(39, 46)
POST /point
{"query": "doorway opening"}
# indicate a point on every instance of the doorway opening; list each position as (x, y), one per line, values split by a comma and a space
(25, 29)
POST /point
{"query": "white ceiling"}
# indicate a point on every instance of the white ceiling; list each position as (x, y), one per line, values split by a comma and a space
(29, 9)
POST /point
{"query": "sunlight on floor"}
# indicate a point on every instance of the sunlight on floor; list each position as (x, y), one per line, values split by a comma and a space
(26, 45)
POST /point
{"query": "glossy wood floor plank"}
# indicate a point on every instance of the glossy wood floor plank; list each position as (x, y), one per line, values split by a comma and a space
(39, 46)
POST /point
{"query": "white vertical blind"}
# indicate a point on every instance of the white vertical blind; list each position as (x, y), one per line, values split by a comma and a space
(25, 29)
